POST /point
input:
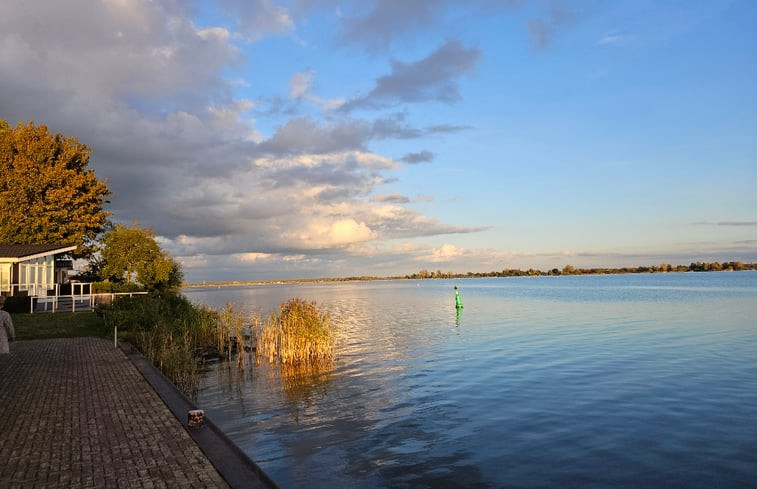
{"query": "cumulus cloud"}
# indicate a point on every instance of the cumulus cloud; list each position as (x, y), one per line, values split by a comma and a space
(394, 127)
(446, 253)
(433, 78)
(424, 156)
(323, 233)
(257, 18)
(306, 135)
(300, 83)
(394, 198)
(253, 257)
(145, 87)
(300, 88)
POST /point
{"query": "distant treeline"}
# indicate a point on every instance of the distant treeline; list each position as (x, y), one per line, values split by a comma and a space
(571, 270)
(514, 272)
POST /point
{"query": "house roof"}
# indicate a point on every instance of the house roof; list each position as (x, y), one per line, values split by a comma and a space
(21, 252)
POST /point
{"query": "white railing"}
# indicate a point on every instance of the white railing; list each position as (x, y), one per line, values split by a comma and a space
(74, 302)
(48, 290)
(79, 296)
(109, 297)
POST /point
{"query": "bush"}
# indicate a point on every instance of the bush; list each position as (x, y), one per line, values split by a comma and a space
(18, 304)
(114, 287)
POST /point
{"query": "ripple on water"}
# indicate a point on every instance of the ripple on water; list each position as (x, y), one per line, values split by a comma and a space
(635, 381)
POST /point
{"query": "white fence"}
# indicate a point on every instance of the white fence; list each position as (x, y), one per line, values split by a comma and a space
(76, 302)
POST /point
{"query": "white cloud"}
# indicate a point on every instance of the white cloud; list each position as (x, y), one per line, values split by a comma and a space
(253, 257)
(300, 83)
(612, 38)
(150, 92)
(446, 253)
(215, 34)
(257, 18)
(324, 234)
(301, 87)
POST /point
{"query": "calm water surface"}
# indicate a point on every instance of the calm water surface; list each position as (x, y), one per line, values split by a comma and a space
(593, 381)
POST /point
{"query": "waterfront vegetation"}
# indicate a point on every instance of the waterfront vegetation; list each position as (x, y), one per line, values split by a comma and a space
(178, 336)
(301, 335)
(174, 334)
(514, 272)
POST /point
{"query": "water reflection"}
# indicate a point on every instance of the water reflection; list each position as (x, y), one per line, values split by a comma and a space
(653, 381)
(303, 383)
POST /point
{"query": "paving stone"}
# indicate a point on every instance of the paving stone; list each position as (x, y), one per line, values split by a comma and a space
(76, 413)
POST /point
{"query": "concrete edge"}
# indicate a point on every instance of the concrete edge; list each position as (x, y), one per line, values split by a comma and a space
(237, 469)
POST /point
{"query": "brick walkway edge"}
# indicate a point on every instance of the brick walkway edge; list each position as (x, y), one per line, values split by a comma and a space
(80, 413)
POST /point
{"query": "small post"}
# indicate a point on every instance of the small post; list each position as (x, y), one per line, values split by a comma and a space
(195, 418)
(458, 300)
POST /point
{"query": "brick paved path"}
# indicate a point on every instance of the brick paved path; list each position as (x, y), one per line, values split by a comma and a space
(77, 413)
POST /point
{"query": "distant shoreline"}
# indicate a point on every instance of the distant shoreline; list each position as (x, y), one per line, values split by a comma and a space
(731, 266)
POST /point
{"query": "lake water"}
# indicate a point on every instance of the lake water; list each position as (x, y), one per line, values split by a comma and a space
(576, 381)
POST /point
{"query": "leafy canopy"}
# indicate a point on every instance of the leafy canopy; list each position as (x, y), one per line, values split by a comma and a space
(131, 253)
(47, 194)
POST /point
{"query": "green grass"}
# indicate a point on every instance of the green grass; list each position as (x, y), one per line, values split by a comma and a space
(41, 326)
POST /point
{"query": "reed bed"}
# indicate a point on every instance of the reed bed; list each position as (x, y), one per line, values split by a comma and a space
(177, 336)
(174, 354)
(302, 334)
(172, 333)
(232, 333)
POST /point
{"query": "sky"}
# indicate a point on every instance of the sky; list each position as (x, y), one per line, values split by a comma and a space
(266, 139)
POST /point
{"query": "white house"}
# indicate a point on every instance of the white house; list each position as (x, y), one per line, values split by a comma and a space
(34, 270)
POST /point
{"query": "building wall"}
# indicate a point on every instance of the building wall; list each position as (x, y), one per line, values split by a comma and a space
(34, 277)
(37, 275)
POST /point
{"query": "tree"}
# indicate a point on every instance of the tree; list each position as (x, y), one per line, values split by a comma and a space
(132, 254)
(47, 194)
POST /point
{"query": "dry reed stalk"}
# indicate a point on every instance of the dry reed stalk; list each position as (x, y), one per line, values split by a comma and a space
(301, 334)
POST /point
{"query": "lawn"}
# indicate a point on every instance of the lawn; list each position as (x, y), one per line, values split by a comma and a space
(58, 325)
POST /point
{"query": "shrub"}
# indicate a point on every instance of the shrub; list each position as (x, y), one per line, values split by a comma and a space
(114, 287)
(168, 329)
(17, 304)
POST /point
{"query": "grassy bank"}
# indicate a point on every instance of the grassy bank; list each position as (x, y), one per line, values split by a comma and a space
(177, 336)
(42, 326)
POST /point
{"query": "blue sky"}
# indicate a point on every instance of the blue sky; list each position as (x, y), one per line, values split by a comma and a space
(321, 138)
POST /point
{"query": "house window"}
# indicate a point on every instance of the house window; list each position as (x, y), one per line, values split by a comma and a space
(5, 277)
(50, 271)
(23, 277)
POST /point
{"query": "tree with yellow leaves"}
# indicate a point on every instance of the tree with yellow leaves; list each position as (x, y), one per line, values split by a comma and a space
(47, 193)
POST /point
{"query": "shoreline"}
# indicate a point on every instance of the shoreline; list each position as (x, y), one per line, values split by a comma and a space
(734, 266)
